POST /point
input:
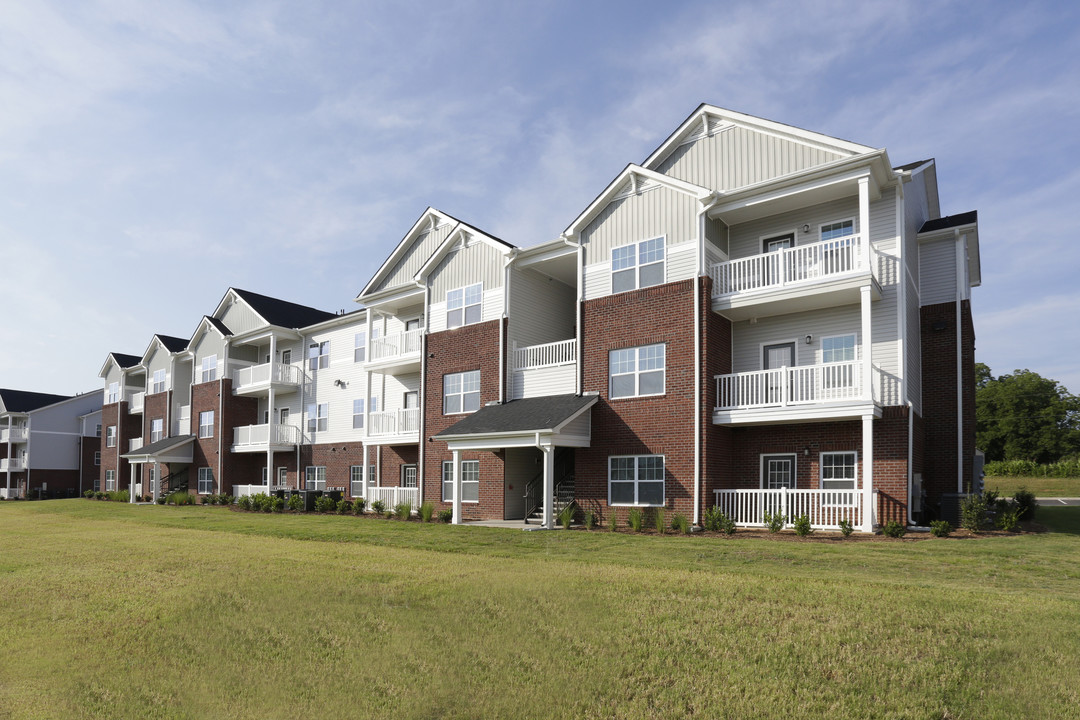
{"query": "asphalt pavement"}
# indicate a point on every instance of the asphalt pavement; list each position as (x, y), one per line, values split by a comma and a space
(1057, 502)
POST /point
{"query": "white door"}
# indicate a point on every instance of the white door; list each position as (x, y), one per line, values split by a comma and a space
(777, 357)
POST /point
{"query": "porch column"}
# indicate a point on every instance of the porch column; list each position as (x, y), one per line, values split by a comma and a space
(270, 418)
(864, 222)
(549, 487)
(867, 346)
(868, 473)
(457, 488)
(157, 484)
(135, 469)
(7, 456)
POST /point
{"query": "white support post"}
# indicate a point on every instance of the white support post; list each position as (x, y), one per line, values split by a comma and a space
(868, 473)
(457, 488)
(867, 345)
(131, 483)
(549, 487)
(270, 419)
(864, 222)
(157, 484)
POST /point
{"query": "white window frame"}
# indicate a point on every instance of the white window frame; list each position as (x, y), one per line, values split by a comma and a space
(110, 436)
(158, 382)
(854, 347)
(97, 430)
(457, 301)
(850, 494)
(473, 481)
(637, 372)
(360, 347)
(637, 481)
(208, 369)
(159, 423)
(794, 469)
(97, 457)
(315, 477)
(841, 221)
(461, 394)
(356, 480)
(206, 481)
(206, 429)
(319, 355)
(113, 393)
(110, 480)
(286, 356)
(282, 476)
(358, 413)
(793, 233)
(637, 265)
(318, 417)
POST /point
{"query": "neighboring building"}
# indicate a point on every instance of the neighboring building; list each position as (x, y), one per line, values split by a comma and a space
(44, 441)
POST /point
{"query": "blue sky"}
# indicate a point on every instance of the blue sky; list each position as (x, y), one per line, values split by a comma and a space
(152, 156)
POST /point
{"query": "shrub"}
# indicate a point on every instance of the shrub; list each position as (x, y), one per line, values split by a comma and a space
(1025, 503)
(566, 516)
(88, 494)
(940, 528)
(226, 499)
(180, 498)
(635, 519)
(358, 506)
(802, 525)
(894, 529)
(774, 521)
(277, 504)
(403, 510)
(973, 512)
(244, 503)
(846, 528)
(161, 500)
(446, 516)
(612, 519)
(589, 518)
(148, 498)
(344, 507)
(1009, 519)
(325, 504)
(679, 523)
(712, 518)
(426, 511)
(207, 500)
(296, 503)
(659, 519)
(378, 506)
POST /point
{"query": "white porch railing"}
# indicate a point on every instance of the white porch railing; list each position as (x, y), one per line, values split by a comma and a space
(562, 352)
(134, 444)
(802, 263)
(396, 345)
(801, 385)
(265, 374)
(12, 464)
(14, 434)
(395, 422)
(11, 493)
(391, 496)
(265, 435)
(137, 402)
(825, 508)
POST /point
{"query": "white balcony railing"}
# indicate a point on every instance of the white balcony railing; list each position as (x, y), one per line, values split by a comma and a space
(391, 496)
(824, 508)
(134, 444)
(265, 374)
(263, 435)
(396, 345)
(137, 402)
(802, 385)
(12, 464)
(13, 435)
(395, 422)
(800, 264)
(562, 352)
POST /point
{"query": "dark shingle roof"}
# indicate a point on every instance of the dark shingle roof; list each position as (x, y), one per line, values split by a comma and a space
(529, 415)
(912, 165)
(485, 232)
(950, 221)
(218, 324)
(281, 312)
(160, 446)
(172, 344)
(22, 401)
(125, 361)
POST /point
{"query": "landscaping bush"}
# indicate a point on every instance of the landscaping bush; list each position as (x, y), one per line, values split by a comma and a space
(207, 500)
(296, 503)
(99, 495)
(940, 528)
(1008, 520)
(358, 506)
(378, 507)
(445, 516)
(802, 525)
(426, 511)
(244, 503)
(403, 510)
(894, 529)
(88, 494)
(612, 519)
(973, 512)
(1025, 503)
(846, 528)
(344, 507)
(679, 523)
(161, 500)
(589, 519)
(659, 518)
(566, 516)
(774, 521)
(635, 519)
(277, 504)
(325, 504)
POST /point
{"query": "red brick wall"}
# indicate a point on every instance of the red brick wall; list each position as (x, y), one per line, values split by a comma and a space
(662, 425)
(154, 406)
(473, 347)
(229, 468)
(391, 460)
(90, 472)
(128, 426)
(58, 483)
(337, 458)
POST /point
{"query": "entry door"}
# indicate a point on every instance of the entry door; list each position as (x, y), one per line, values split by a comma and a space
(408, 476)
(774, 264)
(776, 357)
(778, 471)
(283, 413)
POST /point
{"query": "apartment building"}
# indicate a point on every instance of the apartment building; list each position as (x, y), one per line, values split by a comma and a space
(48, 443)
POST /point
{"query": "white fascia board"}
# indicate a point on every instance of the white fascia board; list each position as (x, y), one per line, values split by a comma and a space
(104, 371)
(545, 251)
(403, 246)
(346, 319)
(391, 295)
(264, 333)
(456, 235)
(558, 428)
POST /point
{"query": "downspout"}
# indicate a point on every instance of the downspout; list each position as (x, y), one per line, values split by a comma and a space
(578, 382)
(221, 421)
(910, 454)
(707, 203)
(421, 447)
(960, 239)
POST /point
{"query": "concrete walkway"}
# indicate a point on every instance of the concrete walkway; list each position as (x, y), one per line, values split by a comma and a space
(508, 524)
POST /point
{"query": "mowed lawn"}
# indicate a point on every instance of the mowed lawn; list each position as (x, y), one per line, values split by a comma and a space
(113, 611)
(1041, 486)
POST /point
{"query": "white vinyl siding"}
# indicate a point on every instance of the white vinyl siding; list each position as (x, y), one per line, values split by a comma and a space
(542, 310)
(478, 262)
(937, 271)
(420, 249)
(636, 480)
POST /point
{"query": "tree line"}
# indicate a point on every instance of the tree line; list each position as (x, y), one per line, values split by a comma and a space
(1024, 416)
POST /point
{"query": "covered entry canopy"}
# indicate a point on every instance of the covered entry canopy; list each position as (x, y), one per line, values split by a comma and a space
(555, 420)
(169, 450)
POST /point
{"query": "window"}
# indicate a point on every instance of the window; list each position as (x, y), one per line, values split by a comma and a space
(408, 476)
(97, 457)
(315, 477)
(286, 357)
(159, 382)
(360, 347)
(838, 349)
(356, 480)
(282, 477)
(157, 429)
(206, 424)
(206, 481)
(461, 392)
(636, 372)
(637, 266)
(463, 306)
(318, 417)
(636, 480)
(110, 480)
(838, 470)
(470, 481)
(371, 476)
(113, 394)
(97, 485)
(358, 414)
(413, 324)
(209, 369)
(153, 478)
(97, 430)
(835, 230)
(319, 355)
(777, 471)
(110, 436)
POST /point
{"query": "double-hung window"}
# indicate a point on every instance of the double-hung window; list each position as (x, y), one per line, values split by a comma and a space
(636, 480)
(110, 436)
(838, 356)
(461, 392)
(319, 355)
(360, 347)
(209, 369)
(470, 481)
(206, 480)
(358, 414)
(638, 265)
(110, 480)
(206, 424)
(838, 471)
(464, 305)
(318, 417)
(113, 394)
(637, 372)
(315, 477)
(97, 430)
(159, 382)
(833, 231)
(157, 429)
(356, 480)
(97, 457)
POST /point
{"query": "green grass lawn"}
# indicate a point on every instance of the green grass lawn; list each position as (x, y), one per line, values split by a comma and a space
(114, 611)
(1042, 487)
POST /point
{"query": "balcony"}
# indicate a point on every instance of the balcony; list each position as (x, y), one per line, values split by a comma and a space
(805, 277)
(258, 379)
(548, 369)
(14, 435)
(791, 394)
(136, 402)
(397, 353)
(260, 438)
(134, 444)
(396, 423)
(12, 464)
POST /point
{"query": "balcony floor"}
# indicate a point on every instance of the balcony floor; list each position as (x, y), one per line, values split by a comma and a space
(786, 414)
(798, 297)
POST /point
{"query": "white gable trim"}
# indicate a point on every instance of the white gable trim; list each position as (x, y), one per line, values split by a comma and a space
(428, 220)
(460, 235)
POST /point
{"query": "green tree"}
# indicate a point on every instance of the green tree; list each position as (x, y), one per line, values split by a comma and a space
(1024, 416)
